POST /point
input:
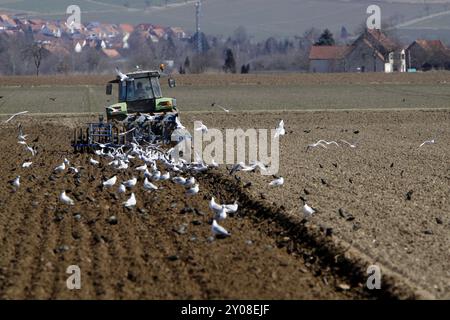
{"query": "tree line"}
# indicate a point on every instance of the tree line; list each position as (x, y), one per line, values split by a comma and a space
(20, 54)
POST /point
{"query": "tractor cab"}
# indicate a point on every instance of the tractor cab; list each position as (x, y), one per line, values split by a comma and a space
(140, 92)
(141, 114)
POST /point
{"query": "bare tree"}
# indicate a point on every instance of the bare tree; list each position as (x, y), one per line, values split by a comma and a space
(312, 34)
(204, 61)
(11, 57)
(36, 52)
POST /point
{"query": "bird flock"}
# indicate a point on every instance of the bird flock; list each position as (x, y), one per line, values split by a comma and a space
(21, 139)
(179, 171)
(156, 165)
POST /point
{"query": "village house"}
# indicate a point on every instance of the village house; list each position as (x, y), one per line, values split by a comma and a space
(177, 32)
(7, 23)
(103, 36)
(111, 53)
(126, 28)
(323, 59)
(428, 54)
(372, 51)
(158, 31)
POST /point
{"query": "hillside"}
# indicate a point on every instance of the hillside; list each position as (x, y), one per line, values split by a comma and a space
(262, 18)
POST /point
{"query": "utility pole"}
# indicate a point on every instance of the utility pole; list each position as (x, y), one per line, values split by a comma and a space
(198, 10)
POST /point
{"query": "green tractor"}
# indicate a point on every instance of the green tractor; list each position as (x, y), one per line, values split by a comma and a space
(140, 114)
(139, 91)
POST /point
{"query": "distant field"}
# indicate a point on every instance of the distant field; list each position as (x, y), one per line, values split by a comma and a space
(52, 6)
(267, 79)
(262, 18)
(441, 22)
(48, 6)
(239, 93)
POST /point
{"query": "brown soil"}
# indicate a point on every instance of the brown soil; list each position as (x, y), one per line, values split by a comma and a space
(145, 255)
(394, 196)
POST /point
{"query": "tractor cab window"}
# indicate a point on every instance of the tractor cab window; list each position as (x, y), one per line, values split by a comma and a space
(143, 89)
(122, 91)
(156, 88)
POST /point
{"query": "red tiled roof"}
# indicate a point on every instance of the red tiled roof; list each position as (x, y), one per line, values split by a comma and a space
(144, 26)
(158, 32)
(382, 39)
(125, 27)
(37, 21)
(111, 53)
(328, 52)
(6, 18)
(431, 44)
